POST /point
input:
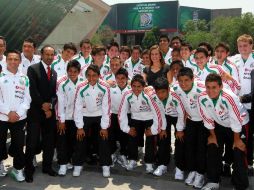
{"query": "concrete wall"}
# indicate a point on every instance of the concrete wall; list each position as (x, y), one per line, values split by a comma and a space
(78, 24)
(225, 13)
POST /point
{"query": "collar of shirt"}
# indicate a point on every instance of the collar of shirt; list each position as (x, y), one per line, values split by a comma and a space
(45, 66)
(7, 72)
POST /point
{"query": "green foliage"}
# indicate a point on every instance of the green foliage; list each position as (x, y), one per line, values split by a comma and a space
(151, 38)
(222, 29)
(103, 36)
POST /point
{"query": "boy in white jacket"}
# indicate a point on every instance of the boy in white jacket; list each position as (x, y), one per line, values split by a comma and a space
(69, 148)
(14, 102)
(145, 113)
(92, 115)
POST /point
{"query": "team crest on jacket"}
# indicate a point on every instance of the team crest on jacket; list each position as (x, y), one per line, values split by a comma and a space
(221, 107)
(21, 82)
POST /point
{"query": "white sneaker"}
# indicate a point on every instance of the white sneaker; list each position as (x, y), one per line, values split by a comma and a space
(3, 172)
(179, 175)
(62, 170)
(160, 170)
(114, 158)
(211, 186)
(199, 181)
(131, 165)
(106, 171)
(17, 175)
(190, 179)
(35, 163)
(122, 160)
(149, 168)
(69, 166)
(77, 170)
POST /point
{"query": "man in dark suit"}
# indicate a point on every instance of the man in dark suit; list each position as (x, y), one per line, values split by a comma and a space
(41, 122)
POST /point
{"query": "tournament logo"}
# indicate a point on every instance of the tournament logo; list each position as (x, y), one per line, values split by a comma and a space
(143, 102)
(21, 82)
(146, 20)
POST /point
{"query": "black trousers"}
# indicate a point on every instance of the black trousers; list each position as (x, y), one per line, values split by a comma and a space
(214, 159)
(150, 146)
(95, 143)
(116, 134)
(195, 146)
(163, 153)
(17, 132)
(46, 130)
(69, 149)
(249, 143)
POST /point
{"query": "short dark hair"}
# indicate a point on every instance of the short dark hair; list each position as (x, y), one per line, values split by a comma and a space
(201, 50)
(144, 52)
(188, 45)
(70, 46)
(138, 78)
(185, 71)
(97, 49)
(46, 46)
(122, 71)
(164, 36)
(213, 77)
(112, 44)
(4, 40)
(31, 40)
(137, 47)
(13, 51)
(94, 68)
(75, 64)
(85, 41)
(208, 46)
(125, 49)
(161, 83)
(223, 45)
(177, 38)
(176, 62)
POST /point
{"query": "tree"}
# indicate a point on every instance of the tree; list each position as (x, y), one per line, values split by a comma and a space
(221, 29)
(151, 37)
(193, 26)
(103, 36)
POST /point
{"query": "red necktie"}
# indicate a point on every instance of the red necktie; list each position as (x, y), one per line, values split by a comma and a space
(49, 72)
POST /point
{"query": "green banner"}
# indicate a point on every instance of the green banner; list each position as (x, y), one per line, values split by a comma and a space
(144, 16)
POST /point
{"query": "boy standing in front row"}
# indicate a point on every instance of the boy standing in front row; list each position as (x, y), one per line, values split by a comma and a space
(14, 102)
(70, 149)
(145, 116)
(194, 134)
(92, 115)
(224, 116)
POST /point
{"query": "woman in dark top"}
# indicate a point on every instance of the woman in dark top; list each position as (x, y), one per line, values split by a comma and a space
(157, 69)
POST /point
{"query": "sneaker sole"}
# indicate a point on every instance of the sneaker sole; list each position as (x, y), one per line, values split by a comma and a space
(13, 177)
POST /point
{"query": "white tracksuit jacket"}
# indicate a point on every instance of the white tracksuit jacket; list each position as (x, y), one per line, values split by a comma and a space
(66, 91)
(14, 94)
(141, 107)
(92, 101)
(228, 111)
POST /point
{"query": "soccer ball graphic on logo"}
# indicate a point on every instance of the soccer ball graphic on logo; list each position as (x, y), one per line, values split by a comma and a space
(146, 19)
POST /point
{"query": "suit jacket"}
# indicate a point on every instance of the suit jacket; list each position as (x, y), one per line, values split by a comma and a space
(41, 90)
